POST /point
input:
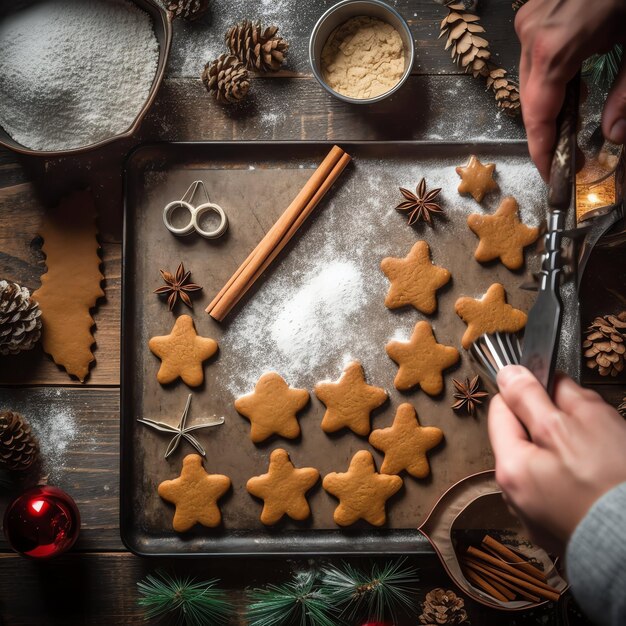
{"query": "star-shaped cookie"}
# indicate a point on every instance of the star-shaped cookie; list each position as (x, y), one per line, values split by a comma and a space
(349, 401)
(195, 494)
(283, 489)
(490, 314)
(405, 443)
(272, 408)
(502, 235)
(362, 492)
(476, 178)
(182, 353)
(414, 279)
(421, 360)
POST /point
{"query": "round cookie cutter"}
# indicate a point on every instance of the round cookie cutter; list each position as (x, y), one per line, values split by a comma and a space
(195, 214)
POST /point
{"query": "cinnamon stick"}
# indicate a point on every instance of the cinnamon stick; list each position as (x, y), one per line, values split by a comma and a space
(512, 558)
(321, 192)
(485, 586)
(505, 567)
(507, 573)
(242, 279)
(494, 576)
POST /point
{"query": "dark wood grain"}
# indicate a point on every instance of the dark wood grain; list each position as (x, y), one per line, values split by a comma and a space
(79, 431)
(103, 588)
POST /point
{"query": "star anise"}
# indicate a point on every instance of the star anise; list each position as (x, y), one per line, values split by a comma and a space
(177, 287)
(420, 205)
(468, 395)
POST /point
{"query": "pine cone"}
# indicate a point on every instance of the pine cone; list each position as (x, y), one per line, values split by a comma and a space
(258, 49)
(18, 447)
(471, 52)
(226, 79)
(622, 407)
(188, 9)
(605, 344)
(442, 607)
(505, 90)
(20, 323)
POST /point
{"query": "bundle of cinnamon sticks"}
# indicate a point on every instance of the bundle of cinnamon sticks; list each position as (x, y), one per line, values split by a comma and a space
(504, 574)
(280, 234)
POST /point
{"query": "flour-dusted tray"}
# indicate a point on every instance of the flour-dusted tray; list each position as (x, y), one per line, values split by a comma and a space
(320, 305)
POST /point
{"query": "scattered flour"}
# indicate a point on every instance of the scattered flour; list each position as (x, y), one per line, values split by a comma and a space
(55, 425)
(74, 73)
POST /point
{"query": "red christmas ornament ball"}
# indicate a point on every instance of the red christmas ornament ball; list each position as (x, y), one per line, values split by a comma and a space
(377, 624)
(42, 522)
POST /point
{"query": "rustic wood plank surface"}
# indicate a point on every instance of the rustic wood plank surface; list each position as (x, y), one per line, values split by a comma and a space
(80, 423)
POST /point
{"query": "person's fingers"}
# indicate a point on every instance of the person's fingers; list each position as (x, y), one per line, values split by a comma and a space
(614, 115)
(506, 432)
(529, 401)
(510, 445)
(573, 399)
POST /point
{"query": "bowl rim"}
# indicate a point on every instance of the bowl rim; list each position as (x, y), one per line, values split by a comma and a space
(407, 70)
(166, 23)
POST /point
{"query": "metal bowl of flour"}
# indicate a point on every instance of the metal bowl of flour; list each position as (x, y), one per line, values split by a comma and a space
(162, 26)
(341, 13)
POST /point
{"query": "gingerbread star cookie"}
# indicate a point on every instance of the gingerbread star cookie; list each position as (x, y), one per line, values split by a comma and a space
(405, 443)
(195, 494)
(362, 492)
(283, 489)
(349, 401)
(182, 353)
(477, 179)
(272, 408)
(490, 314)
(502, 235)
(414, 279)
(421, 360)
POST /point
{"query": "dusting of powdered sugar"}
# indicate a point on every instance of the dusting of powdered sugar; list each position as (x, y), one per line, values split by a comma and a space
(54, 424)
(304, 319)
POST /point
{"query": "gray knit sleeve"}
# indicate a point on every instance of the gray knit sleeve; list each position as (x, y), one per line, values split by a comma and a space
(596, 558)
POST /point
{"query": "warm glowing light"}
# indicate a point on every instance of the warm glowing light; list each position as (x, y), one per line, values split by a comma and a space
(38, 505)
(593, 197)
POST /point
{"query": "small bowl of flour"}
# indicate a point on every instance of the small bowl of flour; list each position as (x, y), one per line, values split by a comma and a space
(361, 51)
(76, 74)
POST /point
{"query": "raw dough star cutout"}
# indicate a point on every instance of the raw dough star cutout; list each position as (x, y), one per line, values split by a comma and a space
(502, 235)
(477, 179)
(195, 494)
(182, 353)
(490, 314)
(405, 443)
(414, 279)
(362, 492)
(283, 489)
(349, 401)
(421, 360)
(272, 408)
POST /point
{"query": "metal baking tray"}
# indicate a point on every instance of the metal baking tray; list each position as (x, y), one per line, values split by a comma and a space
(326, 284)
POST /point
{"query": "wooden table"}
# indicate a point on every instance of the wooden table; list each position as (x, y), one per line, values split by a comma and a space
(96, 584)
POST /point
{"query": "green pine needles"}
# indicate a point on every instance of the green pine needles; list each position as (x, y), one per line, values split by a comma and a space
(184, 601)
(336, 596)
(300, 602)
(603, 68)
(376, 594)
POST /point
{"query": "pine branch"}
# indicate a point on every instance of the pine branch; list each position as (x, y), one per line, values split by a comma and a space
(376, 594)
(299, 602)
(603, 68)
(183, 601)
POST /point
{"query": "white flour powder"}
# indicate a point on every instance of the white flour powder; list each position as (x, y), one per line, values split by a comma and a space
(73, 73)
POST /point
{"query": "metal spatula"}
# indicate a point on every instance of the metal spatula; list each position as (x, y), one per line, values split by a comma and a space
(544, 320)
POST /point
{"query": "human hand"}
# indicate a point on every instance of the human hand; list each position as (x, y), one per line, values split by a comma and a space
(556, 36)
(554, 459)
